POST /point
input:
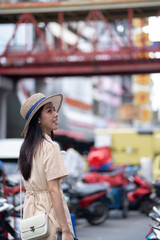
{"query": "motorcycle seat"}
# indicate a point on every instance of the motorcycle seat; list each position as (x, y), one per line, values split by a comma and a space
(112, 173)
(90, 189)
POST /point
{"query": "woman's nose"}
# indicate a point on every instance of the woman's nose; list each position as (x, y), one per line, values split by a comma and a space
(55, 114)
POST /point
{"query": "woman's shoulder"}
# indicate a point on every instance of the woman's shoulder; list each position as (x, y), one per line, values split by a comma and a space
(50, 144)
(50, 149)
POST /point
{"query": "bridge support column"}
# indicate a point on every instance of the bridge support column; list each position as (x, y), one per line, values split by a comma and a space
(41, 86)
(6, 85)
(3, 114)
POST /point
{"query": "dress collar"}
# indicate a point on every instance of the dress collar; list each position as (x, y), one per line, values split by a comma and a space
(47, 136)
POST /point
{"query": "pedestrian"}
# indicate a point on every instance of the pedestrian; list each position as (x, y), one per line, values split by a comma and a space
(41, 165)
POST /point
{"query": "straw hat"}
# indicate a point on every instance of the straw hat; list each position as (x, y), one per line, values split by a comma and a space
(35, 102)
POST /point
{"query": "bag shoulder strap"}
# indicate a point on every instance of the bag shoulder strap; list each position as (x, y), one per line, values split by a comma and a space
(20, 196)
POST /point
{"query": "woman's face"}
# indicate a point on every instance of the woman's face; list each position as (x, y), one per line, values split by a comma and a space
(48, 119)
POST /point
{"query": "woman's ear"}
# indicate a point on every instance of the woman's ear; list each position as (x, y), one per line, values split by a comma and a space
(39, 120)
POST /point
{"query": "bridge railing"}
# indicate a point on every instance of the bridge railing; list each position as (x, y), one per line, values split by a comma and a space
(83, 47)
(32, 1)
(17, 55)
(26, 1)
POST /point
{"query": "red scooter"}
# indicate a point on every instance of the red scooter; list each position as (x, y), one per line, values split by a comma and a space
(89, 201)
(117, 192)
(137, 189)
(139, 194)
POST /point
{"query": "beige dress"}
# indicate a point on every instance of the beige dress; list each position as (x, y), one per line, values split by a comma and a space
(47, 165)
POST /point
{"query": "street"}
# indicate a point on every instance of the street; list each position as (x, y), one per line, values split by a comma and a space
(135, 227)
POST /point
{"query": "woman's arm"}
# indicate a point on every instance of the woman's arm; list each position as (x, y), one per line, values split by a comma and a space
(54, 190)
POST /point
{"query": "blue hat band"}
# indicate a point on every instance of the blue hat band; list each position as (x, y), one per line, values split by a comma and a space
(33, 107)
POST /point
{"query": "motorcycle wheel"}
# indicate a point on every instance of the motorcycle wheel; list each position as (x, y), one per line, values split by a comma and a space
(146, 206)
(97, 212)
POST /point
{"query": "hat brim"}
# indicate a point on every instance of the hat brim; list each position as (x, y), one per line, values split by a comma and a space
(56, 100)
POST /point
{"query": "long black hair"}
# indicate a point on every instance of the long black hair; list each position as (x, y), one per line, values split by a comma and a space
(30, 145)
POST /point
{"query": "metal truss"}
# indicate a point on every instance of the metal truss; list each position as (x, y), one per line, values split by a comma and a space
(93, 46)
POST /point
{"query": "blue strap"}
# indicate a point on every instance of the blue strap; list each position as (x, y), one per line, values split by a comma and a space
(33, 107)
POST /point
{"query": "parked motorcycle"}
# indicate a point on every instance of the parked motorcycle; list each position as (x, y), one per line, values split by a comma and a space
(10, 190)
(154, 232)
(117, 192)
(139, 193)
(88, 201)
(5, 226)
(155, 196)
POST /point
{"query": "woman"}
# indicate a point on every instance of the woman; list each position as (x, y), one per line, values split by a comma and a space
(41, 164)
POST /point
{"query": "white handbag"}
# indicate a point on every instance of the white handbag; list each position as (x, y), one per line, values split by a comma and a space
(35, 227)
(32, 228)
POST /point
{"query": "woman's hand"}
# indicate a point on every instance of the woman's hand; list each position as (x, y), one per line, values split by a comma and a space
(67, 236)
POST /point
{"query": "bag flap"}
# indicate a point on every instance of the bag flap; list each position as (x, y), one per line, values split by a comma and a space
(35, 221)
